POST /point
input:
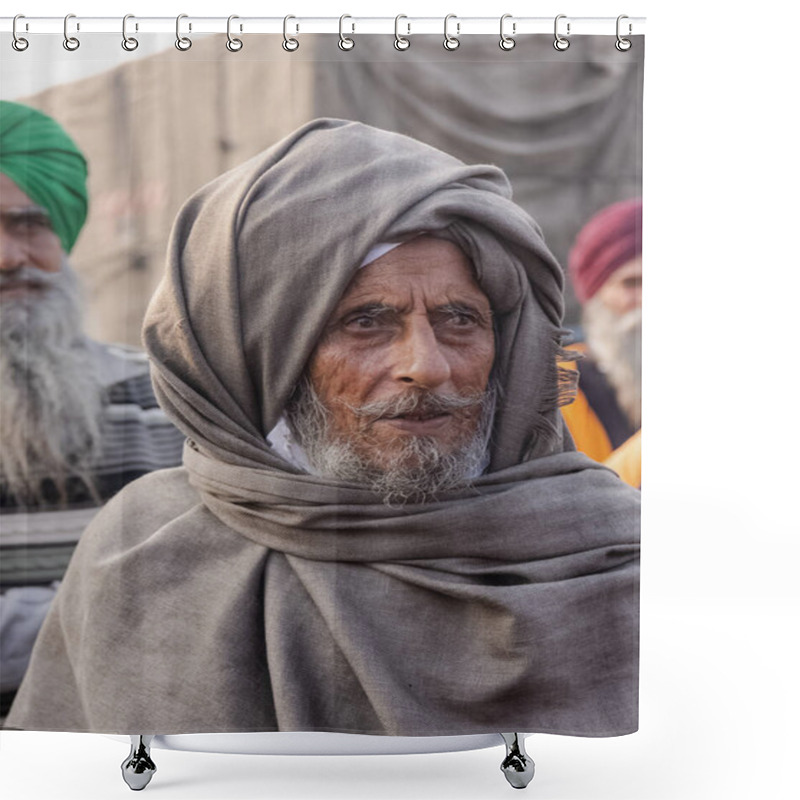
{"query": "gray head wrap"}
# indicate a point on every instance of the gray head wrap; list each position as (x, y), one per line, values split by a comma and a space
(240, 594)
(260, 257)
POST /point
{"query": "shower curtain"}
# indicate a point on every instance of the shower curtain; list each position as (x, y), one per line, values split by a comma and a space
(507, 603)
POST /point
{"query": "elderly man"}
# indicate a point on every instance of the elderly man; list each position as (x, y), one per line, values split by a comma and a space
(605, 266)
(381, 526)
(78, 419)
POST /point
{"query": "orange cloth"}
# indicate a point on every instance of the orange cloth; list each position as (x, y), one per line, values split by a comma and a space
(590, 436)
(626, 460)
(587, 431)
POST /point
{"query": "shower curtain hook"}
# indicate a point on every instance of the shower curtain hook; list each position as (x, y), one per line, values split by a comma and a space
(289, 44)
(400, 42)
(129, 43)
(19, 43)
(561, 43)
(182, 43)
(345, 43)
(233, 44)
(507, 42)
(623, 44)
(451, 42)
(71, 43)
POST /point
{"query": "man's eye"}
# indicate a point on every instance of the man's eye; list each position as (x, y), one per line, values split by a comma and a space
(460, 319)
(363, 322)
(30, 223)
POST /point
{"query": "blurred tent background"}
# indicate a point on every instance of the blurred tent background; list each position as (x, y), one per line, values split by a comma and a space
(157, 126)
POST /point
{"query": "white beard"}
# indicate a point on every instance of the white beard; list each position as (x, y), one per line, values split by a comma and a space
(52, 398)
(615, 343)
(418, 473)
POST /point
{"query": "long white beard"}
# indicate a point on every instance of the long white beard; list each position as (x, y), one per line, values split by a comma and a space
(52, 398)
(418, 473)
(615, 342)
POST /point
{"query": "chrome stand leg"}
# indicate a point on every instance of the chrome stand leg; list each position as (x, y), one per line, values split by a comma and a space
(517, 766)
(138, 768)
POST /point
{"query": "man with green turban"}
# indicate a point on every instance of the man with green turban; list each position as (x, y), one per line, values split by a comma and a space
(78, 418)
(38, 155)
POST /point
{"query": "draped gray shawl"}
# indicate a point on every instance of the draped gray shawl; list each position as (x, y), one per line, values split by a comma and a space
(240, 594)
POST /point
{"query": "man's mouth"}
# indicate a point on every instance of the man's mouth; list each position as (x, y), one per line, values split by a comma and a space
(420, 416)
(12, 289)
(418, 422)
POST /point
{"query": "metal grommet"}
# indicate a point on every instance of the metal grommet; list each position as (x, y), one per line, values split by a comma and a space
(19, 43)
(400, 42)
(623, 45)
(233, 44)
(451, 42)
(129, 43)
(289, 44)
(71, 43)
(561, 43)
(507, 42)
(345, 43)
(182, 43)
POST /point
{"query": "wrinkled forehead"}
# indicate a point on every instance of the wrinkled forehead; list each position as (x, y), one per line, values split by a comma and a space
(423, 263)
(13, 197)
(377, 251)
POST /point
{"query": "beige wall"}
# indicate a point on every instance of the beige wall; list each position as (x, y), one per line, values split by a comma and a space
(154, 131)
(565, 127)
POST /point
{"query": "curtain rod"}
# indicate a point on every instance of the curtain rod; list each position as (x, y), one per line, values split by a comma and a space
(404, 25)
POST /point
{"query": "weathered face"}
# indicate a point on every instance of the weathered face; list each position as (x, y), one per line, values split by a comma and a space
(622, 292)
(414, 322)
(29, 248)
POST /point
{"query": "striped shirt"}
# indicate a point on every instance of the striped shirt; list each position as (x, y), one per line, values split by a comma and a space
(36, 543)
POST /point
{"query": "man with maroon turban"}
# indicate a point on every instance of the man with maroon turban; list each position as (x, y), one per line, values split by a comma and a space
(605, 265)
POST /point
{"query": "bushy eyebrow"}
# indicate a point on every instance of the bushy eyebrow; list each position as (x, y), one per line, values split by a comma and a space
(25, 212)
(369, 309)
(463, 308)
(375, 309)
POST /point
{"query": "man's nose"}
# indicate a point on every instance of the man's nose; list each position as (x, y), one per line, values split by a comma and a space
(419, 358)
(633, 299)
(13, 253)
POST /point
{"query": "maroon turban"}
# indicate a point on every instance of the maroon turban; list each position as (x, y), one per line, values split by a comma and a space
(611, 238)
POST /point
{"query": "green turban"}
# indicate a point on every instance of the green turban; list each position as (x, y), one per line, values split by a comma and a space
(39, 156)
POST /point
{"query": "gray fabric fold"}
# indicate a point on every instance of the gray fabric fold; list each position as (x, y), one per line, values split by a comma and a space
(260, 257)
(238, 594)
